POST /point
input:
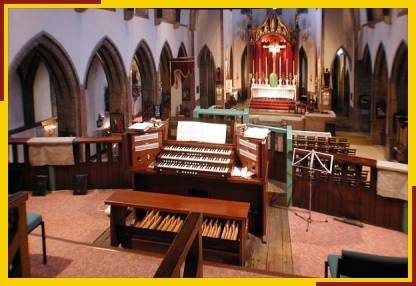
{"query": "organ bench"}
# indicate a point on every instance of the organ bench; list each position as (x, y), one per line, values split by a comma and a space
(158, 217)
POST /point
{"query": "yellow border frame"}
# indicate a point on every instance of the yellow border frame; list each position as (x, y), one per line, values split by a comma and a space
(212, 4)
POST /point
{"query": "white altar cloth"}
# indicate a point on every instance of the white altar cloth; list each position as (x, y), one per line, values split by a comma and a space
(280, 92)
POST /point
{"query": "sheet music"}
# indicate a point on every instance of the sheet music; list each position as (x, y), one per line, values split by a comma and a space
(255, 132)
(141, 126)
(214, 133)
(189, 131)
(201, 132)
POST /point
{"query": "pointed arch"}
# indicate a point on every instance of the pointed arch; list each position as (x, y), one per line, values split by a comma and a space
(364, 87)
(340, 94)
(110, 58)
(231, 68)
(245, 81)
(164, 75)
(182, 51)
(44, 48)
(303, 74)
(206, 65)
(367, 58)
(379, 98)
(147, 70)
(398, 102)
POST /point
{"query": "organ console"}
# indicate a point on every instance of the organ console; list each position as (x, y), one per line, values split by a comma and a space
(204, 170)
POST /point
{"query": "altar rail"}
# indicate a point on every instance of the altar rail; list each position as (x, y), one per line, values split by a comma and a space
(350, 192)
(104, 159)
(240, 116)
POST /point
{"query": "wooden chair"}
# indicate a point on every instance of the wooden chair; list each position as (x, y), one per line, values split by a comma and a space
(33, 221)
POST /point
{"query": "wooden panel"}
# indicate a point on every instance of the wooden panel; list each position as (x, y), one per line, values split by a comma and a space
(343, 195)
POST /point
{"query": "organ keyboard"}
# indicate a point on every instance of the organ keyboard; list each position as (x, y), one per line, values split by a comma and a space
(188, 158)
(198, 149)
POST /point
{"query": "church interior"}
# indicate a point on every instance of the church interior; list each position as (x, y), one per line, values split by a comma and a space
(208, 142)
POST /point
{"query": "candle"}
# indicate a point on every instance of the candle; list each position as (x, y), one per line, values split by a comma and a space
(293, 69)
(286, 67)
(266, 67)
(280, 66)
(260, 67)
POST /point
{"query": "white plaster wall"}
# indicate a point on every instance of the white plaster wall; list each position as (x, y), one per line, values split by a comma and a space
(15, 102)
(207, 32)
(95, 102)
(228, 39)
(389, 35)
(79, 33)
(42, 94)
(338, 32)
(239, 25)
(310, 25)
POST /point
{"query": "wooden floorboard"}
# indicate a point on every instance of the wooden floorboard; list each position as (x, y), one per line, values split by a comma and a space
(276, 254)
(287, 245)
(275, 241)
(256, 253)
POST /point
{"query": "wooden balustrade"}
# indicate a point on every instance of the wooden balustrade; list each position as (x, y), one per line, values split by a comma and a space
(350, 192)
(186, 247)
(104, 159)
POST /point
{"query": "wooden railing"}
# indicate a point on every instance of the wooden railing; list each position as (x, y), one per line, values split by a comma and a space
(19, 263)
(240, 116)
(186, 247)
(104, 159)
(350, 192)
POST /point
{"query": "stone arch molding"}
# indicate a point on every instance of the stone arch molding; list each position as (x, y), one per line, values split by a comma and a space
(112, 63)
(64, 78)
(147, 68)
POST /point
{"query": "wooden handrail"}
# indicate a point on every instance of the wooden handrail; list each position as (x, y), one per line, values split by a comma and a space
(186, 247)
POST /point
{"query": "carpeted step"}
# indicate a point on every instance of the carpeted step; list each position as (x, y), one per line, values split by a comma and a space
(275, 104)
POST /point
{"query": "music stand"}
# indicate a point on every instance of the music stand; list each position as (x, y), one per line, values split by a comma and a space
(314, 162)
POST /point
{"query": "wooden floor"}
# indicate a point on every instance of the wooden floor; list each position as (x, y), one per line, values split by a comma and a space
(276, 253)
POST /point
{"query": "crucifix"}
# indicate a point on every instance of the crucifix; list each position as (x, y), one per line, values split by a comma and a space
(274, 48)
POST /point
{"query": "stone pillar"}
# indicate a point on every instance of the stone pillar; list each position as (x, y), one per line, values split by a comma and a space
(129, 101)
(83, 111)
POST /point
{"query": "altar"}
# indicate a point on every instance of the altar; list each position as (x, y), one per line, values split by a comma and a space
(279, 92)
